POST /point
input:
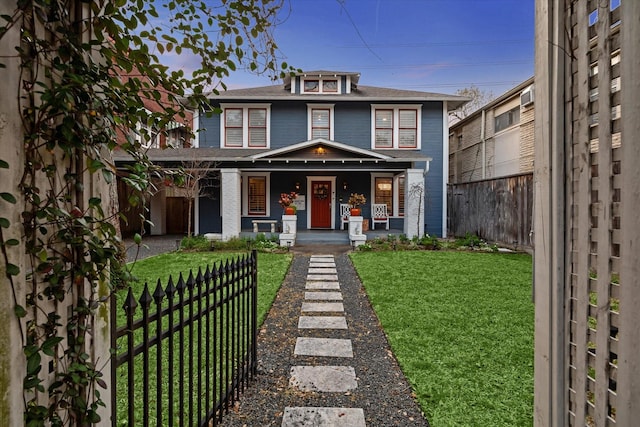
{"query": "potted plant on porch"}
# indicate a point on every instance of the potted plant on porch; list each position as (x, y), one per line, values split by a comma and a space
(355, 201)
(286, 201)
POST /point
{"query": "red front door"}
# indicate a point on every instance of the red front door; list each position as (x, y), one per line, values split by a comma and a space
(321, 204)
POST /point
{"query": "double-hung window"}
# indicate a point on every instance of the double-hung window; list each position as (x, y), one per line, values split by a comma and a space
(257, 194)
(320, 119)
(507, 119)
(245, 126)
(395, 127)
(389, 189)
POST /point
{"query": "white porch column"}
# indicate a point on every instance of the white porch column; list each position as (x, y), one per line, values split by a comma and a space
(230, 203)
(414, 203)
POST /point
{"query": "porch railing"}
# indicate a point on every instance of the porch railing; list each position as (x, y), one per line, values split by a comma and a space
(190, 352)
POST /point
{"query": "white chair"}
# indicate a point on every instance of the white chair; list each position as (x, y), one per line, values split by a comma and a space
(379, 215)
(345, 213)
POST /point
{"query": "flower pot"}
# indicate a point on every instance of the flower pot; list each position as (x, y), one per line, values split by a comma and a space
(289, 211)
(355, 211)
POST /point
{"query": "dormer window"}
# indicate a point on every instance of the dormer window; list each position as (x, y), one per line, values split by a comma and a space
(329, 85)
(320, 85)
(311, 86)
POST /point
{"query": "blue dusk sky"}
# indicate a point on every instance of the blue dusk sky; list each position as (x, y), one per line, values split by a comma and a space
(427, 45)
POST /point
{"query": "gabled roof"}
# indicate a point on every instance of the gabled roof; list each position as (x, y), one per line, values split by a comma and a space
(306, 147)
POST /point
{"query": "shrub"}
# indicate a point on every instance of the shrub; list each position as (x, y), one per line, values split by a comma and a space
(195, 243)
(430, 242)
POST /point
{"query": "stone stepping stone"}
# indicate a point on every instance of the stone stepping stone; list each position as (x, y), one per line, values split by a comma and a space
(323, 417)
(321, 257)
(328, 379)
(316, 264)
(322, 322)
(329, 347)
(323, 270)
(320, 277)
(317, 307)
(323, 296)
(322, 285)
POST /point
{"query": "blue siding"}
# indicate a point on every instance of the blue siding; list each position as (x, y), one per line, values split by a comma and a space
(432, 138)
(209, 135)
(353, 124)
(288, 123)
(210, 219)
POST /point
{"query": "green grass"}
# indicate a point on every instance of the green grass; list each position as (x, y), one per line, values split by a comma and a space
(271, 271)
(461, 327)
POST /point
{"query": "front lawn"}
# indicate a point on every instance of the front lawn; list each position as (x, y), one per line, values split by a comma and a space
(461, 327)
(272, 269)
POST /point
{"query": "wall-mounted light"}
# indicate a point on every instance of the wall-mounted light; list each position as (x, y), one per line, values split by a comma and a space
(344, 185)
(320, 151)
(297, 186)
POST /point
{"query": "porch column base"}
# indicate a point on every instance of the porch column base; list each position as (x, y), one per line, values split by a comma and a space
(356, 237)
(289, 230)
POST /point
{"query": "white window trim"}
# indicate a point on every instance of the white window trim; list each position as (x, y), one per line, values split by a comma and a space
(245, 124)
(320, 85)
(245, 193)
(310, 108)
(396, 125)
(395, 195)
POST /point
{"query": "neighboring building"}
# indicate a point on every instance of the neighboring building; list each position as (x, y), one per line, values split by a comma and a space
(325, 136)
(496, 140)
(169, 206)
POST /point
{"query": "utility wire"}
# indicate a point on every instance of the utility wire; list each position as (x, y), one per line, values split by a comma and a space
(355, 27)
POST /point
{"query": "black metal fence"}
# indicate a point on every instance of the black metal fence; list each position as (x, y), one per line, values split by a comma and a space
(185, 359)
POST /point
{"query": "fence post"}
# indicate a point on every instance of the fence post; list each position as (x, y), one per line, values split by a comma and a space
(254, 311)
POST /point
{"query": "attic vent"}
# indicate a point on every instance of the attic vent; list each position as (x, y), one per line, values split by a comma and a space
(526, 97)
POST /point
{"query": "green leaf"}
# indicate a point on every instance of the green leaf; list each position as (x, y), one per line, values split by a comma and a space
(4, 223)
(108, 175)
(19, 311)
(12, 242)
(137, 239)
(4, 165)
(48, 345)
(8, 197)
(13, 269)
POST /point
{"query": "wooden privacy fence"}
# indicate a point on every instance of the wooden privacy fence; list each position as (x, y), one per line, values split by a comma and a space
(192, 349)
(587, 227)
(497, 210)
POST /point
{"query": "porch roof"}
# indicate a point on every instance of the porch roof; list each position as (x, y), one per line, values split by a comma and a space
(304, 152)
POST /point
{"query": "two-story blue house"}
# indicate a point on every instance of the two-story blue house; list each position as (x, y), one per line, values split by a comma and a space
(324, 136)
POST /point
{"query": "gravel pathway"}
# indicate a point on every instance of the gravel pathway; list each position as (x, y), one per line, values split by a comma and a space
(382, 391)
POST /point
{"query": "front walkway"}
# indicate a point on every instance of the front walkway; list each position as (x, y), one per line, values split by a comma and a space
(323, 359)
